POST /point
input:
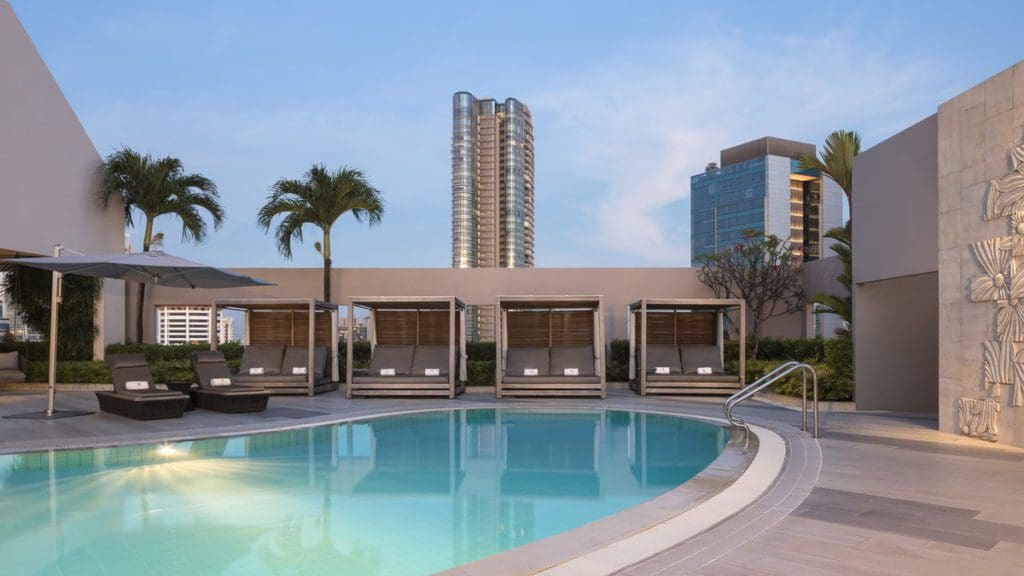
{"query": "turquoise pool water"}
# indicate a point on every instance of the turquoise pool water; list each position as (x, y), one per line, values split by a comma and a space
(402, 495)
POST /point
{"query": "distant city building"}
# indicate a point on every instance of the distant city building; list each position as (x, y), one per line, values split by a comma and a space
(190, 325)
(492, 191)
(757, 186)
(361, 332)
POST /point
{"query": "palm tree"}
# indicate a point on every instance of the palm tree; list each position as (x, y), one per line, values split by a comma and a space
(836, 160)
(319, 198)
(155, 187)
(841, 306)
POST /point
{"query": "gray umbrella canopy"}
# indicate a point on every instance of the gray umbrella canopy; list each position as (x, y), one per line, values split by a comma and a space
(154, 267)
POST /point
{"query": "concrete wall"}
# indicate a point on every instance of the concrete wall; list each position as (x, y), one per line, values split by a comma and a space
(895, 201)
(481, 286)
(48, 166)
(895, 246)
(896, 331)
(976, 132)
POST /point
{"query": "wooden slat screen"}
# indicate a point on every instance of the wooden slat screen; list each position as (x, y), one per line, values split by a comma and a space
(434, 327)
(270, 327)
(395, 327)
(661, 328)
(288, 327)
(572, 327)
(696, 328)
(528, 328)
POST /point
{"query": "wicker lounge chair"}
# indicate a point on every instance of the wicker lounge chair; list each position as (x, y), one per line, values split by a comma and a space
(417, 348)
(677, 346)
(13, 367)
(135, 394)
(217, 391)
(550, 346)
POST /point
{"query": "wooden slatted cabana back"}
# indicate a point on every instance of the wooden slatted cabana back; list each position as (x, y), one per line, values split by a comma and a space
(552, 327)
(680, 326)
(413, 327)
(289, 327)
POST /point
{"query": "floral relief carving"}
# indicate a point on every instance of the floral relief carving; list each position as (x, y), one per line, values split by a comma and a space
(997, 265)
(979, 418)
(999, 282)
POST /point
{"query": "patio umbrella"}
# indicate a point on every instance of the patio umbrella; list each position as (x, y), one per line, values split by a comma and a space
(152, 267)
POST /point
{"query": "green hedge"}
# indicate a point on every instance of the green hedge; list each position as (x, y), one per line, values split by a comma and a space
(178, 352)
(89, 372)
(40, 351)
(835, 372)
(799, 349)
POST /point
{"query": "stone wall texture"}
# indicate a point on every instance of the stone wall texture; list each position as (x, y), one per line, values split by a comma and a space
(976, 132)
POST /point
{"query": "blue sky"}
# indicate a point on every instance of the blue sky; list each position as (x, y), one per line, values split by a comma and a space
(629, 100)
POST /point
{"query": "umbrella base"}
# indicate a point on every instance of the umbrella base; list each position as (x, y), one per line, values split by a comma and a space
(43, 415)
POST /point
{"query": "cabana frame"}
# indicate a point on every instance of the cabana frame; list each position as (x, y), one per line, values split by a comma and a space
(406, 321)
(649, 324)
(290, 322)
(555, 323)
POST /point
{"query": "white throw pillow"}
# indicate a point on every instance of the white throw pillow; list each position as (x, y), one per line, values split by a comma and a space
(299, 371)
(704, 370)
(530, 371)
(136, 385)
(220, 381)
(387, 371)
(432, 372)
(571, 372)
(662, 370)
(257, 371)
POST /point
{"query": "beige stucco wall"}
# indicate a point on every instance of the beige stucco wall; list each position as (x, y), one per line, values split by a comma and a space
(48, 166)
(896, 330)
(895, 247)
(479, 286)
(976, 131)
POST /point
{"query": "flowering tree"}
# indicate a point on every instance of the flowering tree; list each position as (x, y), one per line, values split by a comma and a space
(762, 271)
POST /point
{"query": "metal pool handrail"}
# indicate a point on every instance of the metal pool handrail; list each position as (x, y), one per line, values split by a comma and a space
(769, 379)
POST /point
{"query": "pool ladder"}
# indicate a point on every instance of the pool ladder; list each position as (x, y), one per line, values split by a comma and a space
(766, 381)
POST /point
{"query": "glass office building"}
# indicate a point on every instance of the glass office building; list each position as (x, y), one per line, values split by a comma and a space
(758, 187)
(492, 191)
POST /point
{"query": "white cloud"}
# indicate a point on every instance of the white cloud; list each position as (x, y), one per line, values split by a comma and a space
(642, 124)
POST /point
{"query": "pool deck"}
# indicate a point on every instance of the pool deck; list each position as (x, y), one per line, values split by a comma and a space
(878, 494)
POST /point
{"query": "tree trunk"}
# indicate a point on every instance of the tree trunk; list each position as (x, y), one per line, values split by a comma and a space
(141, 309)
(326, 252)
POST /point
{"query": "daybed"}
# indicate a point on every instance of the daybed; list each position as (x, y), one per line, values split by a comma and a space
(135, 394)
(677, 346)
(549, 346)
(418, 347)
(277, 356)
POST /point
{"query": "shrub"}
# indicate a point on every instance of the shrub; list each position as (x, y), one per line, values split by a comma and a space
(71, 372)
(483, 351)
(177, 352)
(616, 372)
(799, 349)
(619, 352)
(480, 372)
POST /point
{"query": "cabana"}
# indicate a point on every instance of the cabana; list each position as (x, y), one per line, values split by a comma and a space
(549, 346)
(277, 354)
(676, 346)
(417, 347)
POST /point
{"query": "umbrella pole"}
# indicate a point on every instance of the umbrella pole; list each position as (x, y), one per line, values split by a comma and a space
(51, 389)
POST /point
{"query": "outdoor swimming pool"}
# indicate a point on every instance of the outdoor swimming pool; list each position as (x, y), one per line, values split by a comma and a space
(399, 495)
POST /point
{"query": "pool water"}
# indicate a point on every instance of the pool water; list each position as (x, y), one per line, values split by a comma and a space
(401, 495)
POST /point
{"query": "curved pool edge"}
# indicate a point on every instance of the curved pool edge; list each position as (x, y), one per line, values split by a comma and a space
(741, 474)
(598, 552)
